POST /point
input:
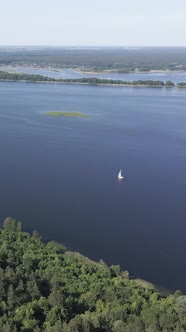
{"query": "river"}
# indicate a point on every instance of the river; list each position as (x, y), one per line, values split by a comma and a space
(59, 175)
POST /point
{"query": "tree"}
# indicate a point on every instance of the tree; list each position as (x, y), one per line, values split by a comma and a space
(32, 288)
(8, 327)
(55, 298)
(169, 84)
(11, 297)
(180, 305)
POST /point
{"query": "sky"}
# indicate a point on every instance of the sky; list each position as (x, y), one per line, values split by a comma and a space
(93, 22)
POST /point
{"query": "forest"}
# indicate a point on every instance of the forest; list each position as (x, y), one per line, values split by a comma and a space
(45, 287)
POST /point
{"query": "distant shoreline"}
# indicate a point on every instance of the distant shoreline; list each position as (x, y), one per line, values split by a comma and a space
(92, 72)
(97, 84)
(111, 71)
(38, 78)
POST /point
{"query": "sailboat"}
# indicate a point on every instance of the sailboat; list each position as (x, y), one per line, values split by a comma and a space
(120, 177)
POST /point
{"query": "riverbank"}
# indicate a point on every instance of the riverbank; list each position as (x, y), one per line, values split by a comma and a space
(43, 284)
(176, 85)
(115, 71)
(15, 69)
(107, 76)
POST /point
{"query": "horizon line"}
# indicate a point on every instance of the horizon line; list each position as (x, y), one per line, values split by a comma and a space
(98, 46)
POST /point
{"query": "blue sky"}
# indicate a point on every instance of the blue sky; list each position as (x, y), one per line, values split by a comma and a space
(98, 22)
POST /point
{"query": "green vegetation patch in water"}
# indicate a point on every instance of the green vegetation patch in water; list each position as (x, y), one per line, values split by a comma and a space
(68, 114)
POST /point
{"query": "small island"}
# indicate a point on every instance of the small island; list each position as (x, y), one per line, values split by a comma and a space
(67, 114)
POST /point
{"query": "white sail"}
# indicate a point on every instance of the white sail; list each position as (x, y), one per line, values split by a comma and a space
(119, 175)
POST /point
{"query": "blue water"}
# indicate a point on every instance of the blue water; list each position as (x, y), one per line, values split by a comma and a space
(59, 175)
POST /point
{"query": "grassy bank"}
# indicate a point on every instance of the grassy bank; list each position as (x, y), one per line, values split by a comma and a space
(67, 114)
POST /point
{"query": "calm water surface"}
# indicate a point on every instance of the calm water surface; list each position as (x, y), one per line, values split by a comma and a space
(59, 175)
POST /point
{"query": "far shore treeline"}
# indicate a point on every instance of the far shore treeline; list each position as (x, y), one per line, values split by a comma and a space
(6, 76)
(46, 288)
